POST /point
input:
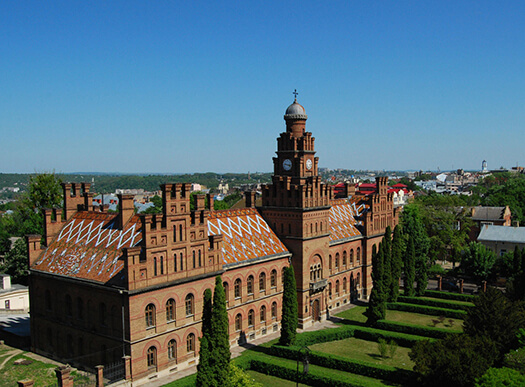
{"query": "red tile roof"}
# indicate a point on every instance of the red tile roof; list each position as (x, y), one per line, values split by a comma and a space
(343, 214)
(89, 247)
(246, 235)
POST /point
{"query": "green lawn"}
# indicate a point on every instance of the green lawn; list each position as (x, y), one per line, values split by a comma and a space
(445, 301)
(364, 350)
(268, 380)
(356, 316)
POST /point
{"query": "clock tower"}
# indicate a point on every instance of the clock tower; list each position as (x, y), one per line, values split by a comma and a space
(297, 205)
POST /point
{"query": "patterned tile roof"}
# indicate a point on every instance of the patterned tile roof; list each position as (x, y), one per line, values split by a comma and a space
(89, 247)
(343, 218)
(246, 235)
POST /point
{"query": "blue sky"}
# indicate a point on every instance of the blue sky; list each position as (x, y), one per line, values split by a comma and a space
(195, 86)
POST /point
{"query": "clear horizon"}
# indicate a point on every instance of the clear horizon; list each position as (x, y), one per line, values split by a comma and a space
(134, 86)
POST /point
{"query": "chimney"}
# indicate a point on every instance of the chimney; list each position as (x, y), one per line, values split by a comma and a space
(126, 209)
(210, 201)
(250, 198)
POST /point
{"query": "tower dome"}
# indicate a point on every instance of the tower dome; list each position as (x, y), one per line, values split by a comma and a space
(295, 112)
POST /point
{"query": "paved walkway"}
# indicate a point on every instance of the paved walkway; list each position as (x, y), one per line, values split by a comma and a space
(236, 351)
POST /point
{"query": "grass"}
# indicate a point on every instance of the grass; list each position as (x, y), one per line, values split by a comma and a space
(448, 301)
(364, 350)
(356, 316)
(268, 380)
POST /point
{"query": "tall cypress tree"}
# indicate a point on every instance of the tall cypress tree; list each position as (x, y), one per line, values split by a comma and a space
(289, 317)
(410, 268)
(377, 305)
(398, 249)
(421, 276)
(205, 372)
(219, 339)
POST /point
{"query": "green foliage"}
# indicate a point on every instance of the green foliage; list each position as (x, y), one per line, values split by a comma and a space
(457, 360)
(219, 339)
(16, 263)
(515, 359)
(382, 346)
(436, 333)
(496, 377)
(157, 206)
(450, 296)
(414, 228)
(398, 250)
(423, 309)
(387, 263)
(340, 363)
(410, 268)
(289, 318)
(392, 348)
(377, 304)
(435, 303)
(478, 261)
(497, 318)
(239, 378)
(436, 270)
(421, 276)
(5, 242)
(205, 371)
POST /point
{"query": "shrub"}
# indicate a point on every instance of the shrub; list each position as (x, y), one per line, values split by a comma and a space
(515, 359)
(382, 346)
(392, 348)
(496, 377)
(436, 303)
(436, 270)
(450, 296)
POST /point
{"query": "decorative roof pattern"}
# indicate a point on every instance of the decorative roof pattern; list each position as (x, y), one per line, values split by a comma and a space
(246, 235)
(89, 246)
(342, 219)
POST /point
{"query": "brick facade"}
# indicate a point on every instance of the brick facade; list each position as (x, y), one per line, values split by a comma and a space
(107, 286)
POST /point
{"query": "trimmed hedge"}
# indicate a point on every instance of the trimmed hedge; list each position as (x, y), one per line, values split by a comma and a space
(450, 296)
(316, 377)
(435, 303)
(423, 309)
(340, 363)
(436, 333)
(364, 333)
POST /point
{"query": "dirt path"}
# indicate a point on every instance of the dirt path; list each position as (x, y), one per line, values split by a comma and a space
(10, 355)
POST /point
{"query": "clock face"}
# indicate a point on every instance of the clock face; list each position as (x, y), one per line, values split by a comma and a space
(287, 164)
(308, 164)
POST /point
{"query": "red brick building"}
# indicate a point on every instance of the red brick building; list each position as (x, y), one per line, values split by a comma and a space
(110, 286)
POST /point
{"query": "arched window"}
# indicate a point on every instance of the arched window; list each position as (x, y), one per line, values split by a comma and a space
(238, 322)
(175, 262)
(172, 350)
(337, 261)
(330, 262)
(237, 288)
(200, 259)
(344, 258)
(161, 265)
(344, 285)
(170, 310)
(251, 318)
(69, 306)
(330, 289)
(155, 266)
(352, 257)
(249, 285)
(190, 307)
(263, 314)
(262, 282)
(180, 232)
(226, 291)
(358, 282)
(358, 258)
(337, 287)
(152, 357)
(273, 278)
(181, 262)
(190, 343)
(69, 341)
(80, 308)
(274, 310)
(150, 315)
(194, 263)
